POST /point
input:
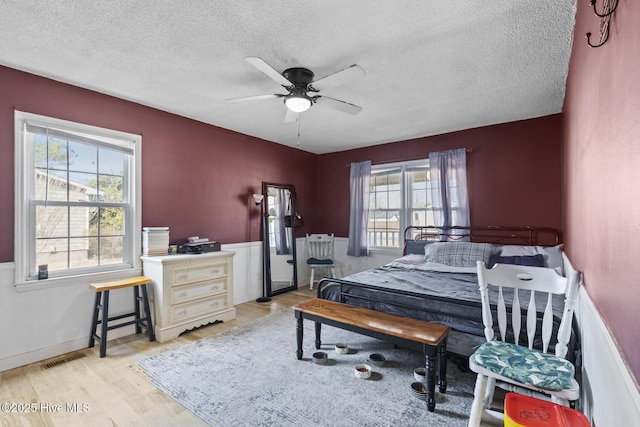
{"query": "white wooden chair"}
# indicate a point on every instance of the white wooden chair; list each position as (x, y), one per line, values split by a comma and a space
(515, 367)
(319, 249)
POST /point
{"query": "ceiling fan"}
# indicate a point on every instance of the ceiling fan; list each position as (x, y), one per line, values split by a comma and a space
(302, 90)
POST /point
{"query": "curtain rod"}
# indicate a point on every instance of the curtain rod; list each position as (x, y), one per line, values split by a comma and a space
(381, 162)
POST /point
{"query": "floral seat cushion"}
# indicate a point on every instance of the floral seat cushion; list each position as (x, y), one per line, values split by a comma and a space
(518, 363)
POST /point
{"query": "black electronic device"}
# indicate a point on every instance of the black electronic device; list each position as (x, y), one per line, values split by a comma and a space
(199, 248)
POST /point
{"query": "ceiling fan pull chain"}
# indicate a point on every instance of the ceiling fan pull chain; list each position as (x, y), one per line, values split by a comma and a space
(299, 130)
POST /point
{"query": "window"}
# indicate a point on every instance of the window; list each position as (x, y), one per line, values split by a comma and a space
(77, 198)
(399, 197)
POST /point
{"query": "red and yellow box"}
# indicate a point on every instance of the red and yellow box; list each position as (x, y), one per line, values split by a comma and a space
(525, 411)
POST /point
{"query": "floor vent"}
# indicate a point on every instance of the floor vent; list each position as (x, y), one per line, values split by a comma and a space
(62, 361)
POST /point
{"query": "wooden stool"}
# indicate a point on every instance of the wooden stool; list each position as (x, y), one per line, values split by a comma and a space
(102, 291)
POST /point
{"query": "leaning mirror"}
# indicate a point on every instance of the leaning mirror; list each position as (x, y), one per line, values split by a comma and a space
(278, 238)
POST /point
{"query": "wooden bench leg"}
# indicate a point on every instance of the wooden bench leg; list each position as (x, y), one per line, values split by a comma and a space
(430, 371)
(94, 320)
(104, 324)
(442, 366)
(136, 308)
(318, 331)
(299, 334)
(145, 302)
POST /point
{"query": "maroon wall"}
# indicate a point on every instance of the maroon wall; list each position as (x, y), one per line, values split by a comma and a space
(196, 178)
(513, 172)
(601, 212)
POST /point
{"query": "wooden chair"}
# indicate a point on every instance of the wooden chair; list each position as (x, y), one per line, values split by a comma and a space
(507, 363)
(319, 248)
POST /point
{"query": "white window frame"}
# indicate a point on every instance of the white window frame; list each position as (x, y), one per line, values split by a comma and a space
(25, 225)
(404, 219)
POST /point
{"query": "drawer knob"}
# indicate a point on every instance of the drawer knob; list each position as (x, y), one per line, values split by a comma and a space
(181, 312)
(183, 294)
(182, 276)
(215, 271)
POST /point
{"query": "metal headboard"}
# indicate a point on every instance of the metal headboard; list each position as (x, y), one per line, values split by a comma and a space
(525, 235)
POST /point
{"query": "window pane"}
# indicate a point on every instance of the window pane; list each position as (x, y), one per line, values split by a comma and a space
(51, 221)
(111, 221)
(381, 199)
(395, 202)
(56, 156)
(83, 158)
(52, 252)
(421, 217)
(50, 185)
(83, 252)
(111, 250)
(111, 188)
(80, 218)
(418, 198)
(417, 180)
(384, 228)
(111, 162)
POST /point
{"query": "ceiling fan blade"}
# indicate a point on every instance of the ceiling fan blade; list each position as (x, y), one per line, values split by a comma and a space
(268, 70)
(336, 104)
(255, 97)
(291, 116)
(338, 78)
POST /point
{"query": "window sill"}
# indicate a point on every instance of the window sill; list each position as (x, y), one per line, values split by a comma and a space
(84, 279)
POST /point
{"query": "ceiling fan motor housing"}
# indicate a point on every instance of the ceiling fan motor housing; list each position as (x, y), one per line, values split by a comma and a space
(300, 77)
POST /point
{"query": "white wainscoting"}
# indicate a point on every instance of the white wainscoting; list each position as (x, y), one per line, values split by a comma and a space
(43, 323)
(610, 395)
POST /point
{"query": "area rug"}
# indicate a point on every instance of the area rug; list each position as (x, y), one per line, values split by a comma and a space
(250, 375)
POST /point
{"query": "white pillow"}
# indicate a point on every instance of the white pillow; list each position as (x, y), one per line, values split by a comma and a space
(552, 254)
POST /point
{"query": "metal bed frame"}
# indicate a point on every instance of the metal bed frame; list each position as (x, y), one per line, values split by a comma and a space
(486, 234)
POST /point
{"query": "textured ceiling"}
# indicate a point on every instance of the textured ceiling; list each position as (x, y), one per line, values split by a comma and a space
(431, 67)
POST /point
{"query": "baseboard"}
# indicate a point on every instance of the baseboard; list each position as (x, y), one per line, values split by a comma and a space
(610, 396)
(57, 350)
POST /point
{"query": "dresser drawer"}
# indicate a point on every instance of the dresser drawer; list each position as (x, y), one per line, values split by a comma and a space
(186, 293)
(197, 308)
(200, 273)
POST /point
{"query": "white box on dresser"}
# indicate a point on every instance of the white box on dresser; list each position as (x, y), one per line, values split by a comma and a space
(188, 291)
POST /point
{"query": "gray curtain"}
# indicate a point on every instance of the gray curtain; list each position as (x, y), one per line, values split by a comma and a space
(449, 198)
(359, 214)
(282, 234)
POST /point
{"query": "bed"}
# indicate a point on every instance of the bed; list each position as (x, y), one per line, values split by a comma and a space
(435, 279)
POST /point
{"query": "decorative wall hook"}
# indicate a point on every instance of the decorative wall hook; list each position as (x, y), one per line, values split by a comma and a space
(605, 12)
(604, 36)
(608, 7)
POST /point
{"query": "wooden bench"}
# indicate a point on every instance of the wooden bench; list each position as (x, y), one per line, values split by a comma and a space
(102, 293)
(430, 338)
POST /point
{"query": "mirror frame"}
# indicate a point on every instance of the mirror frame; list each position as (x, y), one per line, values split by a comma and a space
(266, 248)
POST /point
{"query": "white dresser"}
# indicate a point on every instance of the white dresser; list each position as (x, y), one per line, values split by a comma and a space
(189, 291)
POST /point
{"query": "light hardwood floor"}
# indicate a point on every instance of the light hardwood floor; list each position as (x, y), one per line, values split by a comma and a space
(109, 391)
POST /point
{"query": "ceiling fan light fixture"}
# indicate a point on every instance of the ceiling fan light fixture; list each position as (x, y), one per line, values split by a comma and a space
(297, 102)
